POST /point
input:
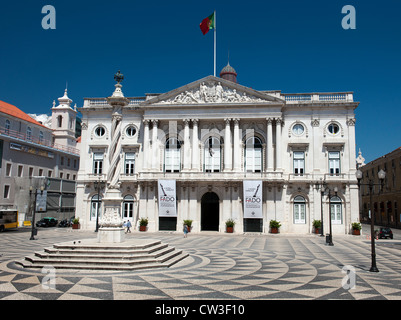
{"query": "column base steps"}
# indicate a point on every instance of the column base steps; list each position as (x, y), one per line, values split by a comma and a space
(136, 254)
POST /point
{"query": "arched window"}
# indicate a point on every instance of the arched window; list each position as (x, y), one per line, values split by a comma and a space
(96, 207)
(212, 153)
(128, 208)
(253, 155)
(336, 210)
(60, 121)
(172, 155)
(299, 210)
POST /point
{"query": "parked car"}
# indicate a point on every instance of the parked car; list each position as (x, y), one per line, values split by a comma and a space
(385, 233)
(47, 222)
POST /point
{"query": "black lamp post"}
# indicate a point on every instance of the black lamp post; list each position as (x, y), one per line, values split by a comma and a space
(330, 243)
(322, 187)
(34, 231)
(382, 176)
(98, 186)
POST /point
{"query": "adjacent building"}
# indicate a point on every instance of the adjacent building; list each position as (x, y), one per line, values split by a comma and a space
(384, 202)
(214, 150)
(32, 154)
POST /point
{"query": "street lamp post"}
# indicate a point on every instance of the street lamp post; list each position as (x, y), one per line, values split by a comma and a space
(33, 229)
(382, 176)
(330, 243)
(97, 187)
(322, 187)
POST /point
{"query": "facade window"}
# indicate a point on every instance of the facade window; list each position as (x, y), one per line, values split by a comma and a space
(333, 128)
(6, 193)
(40, 172)
(30, 172)
(41, 137)
(96, 206)
(29, 133)
(131, 131)
(299, 210)
(253, 155)
(298, 129)
(129, 163)
(128, 207)
(334, 163)
(20, 170)
(212, 153)
(50, 173)
(172, 157)
(8, 170)
(60, 121)
(98, 163)
(336, 210)
(7, 127)
(299, 163)
(100, 131)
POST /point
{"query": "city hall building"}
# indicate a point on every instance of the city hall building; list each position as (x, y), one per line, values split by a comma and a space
(214, 150)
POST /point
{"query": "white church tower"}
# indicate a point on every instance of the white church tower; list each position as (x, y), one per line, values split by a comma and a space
(63, 122)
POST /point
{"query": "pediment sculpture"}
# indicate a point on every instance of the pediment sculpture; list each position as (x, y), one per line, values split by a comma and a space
(211, 92)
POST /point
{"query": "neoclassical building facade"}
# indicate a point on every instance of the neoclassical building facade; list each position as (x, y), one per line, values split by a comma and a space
(214, 150)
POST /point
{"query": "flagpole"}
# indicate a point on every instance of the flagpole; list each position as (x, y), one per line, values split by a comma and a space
(214, 42)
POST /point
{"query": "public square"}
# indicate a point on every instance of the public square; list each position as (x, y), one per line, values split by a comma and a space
(219, 266)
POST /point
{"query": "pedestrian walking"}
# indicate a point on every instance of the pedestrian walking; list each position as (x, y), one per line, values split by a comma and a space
(125, 226)
(185, 230)
(129, 225)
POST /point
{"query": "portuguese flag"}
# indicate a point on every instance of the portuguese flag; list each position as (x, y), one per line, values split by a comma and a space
(207, 24)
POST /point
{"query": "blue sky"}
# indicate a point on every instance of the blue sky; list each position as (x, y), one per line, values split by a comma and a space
(288, 45)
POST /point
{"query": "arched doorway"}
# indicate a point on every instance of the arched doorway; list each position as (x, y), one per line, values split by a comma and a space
(210, 215)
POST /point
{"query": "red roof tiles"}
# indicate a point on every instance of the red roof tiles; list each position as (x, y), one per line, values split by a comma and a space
(15, 112)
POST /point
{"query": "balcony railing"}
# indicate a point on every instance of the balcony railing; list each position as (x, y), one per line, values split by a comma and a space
(102, 102)
(29, 138)
(319, 97)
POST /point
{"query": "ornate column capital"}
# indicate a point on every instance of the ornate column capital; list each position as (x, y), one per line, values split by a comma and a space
(227, 121)
(269, 120)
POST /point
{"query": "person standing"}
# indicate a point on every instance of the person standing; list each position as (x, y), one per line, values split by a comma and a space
(185, 230)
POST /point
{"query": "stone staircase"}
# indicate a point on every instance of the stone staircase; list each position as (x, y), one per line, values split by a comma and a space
(90, 255)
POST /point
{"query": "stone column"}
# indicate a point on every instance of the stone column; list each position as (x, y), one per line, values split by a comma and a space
(227, 147)
(111, 229)
(279, 121)
(155, 147)
(269, 156)
(187, 150)
(145, 146)
(195, 145)
(236, 146)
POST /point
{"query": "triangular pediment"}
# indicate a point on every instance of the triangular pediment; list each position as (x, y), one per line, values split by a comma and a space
(213, 90)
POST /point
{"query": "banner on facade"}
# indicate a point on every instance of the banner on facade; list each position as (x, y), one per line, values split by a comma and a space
(253, 199)
(167, 198)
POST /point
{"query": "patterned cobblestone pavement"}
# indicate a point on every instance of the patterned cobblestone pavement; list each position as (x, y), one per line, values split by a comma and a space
(219, 266)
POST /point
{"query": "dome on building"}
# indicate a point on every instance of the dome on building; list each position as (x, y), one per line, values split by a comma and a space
(229, 73)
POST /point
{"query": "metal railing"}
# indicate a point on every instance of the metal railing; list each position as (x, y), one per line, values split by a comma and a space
(29, 138)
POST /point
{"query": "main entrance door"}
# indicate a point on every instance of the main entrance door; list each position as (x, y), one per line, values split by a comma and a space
(210, 212)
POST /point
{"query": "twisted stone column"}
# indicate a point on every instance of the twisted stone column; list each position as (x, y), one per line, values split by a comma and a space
(111, 221)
